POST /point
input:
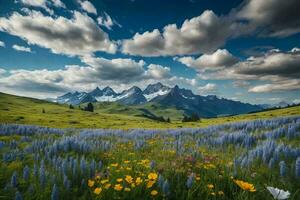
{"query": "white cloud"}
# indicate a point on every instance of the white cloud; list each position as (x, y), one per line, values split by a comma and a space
(107, 21)
(208, 32)
(120, 70)
(201, 34)
(279, 86)
(79, 35)
(21, 48)
(2, 44)
(58, 3)
(88, 7)
(158, 71)
(284, 64)
(44, 4)
(38, 3)
(219, 59)
(208, 88)
(279, 69)
(272, 17)
(117, 73)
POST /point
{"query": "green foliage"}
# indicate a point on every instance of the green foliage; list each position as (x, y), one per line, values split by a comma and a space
(89, 107)
(193, 118)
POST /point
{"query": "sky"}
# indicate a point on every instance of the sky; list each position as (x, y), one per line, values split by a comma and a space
(246, 50)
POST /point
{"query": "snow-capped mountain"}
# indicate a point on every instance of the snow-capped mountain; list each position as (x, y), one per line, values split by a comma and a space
(76, 98)
(133, 95)
(154, 90)
(179, 98)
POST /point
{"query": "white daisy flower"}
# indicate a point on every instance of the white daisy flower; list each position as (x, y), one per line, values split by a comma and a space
(278, 193)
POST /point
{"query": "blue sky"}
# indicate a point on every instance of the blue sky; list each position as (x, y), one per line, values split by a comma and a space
(243, 50)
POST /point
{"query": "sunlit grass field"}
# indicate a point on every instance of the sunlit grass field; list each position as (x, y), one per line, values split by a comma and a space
(21, 110)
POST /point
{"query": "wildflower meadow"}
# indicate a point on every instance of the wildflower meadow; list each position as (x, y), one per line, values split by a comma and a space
(246, 160)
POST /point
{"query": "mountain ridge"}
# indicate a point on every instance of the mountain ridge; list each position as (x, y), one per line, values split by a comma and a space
(180, 98)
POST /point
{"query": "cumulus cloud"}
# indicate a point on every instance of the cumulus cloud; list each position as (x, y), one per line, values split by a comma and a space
(58, 3)
(201, 34)
(79, 35)
(284, 64)
(122, 70)
(2, 44)
(280, 69)
(278, 86)
(208, 32)
(158, 72)
(88, 7)
(97, 72)
(44, 4)
(208, 88)
(21, 48)
(274, 17)
(107, 21)
(219, 59)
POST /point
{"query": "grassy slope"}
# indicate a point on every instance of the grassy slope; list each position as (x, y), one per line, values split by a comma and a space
(138, 110)
(21, 110)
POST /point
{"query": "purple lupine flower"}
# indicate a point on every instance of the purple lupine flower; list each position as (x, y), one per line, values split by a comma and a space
(18, 196)
(160, 181)
(54, 193)
(14, 180)
(283, 168)
(297, 167)
(166, 188)
(26, 173)
(190, 180)
(271, 163)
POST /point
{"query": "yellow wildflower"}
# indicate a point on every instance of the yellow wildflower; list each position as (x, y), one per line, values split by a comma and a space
(152, 176)
(150, 184)
(119, 180)
(138, 180)
(107, 186)
(220, 193)
(127, 189)
(154, 192)
(245, 186)
(126, 161)
(98, 190)
(214, 194)
(132, 185)
(114, 164)
(197, 178)
(104, 181)
(210, 186)
(129, 179)
(91, 183)
(118, 187)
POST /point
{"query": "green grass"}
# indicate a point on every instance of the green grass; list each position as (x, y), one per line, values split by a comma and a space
(22, 110)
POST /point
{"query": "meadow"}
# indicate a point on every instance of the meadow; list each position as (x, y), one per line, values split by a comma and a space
(22, 110)
(241, 160)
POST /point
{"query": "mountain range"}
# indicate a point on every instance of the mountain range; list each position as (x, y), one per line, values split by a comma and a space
(179, 98)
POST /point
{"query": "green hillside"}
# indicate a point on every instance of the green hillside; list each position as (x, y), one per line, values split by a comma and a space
(138, 110)
(22, 110)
